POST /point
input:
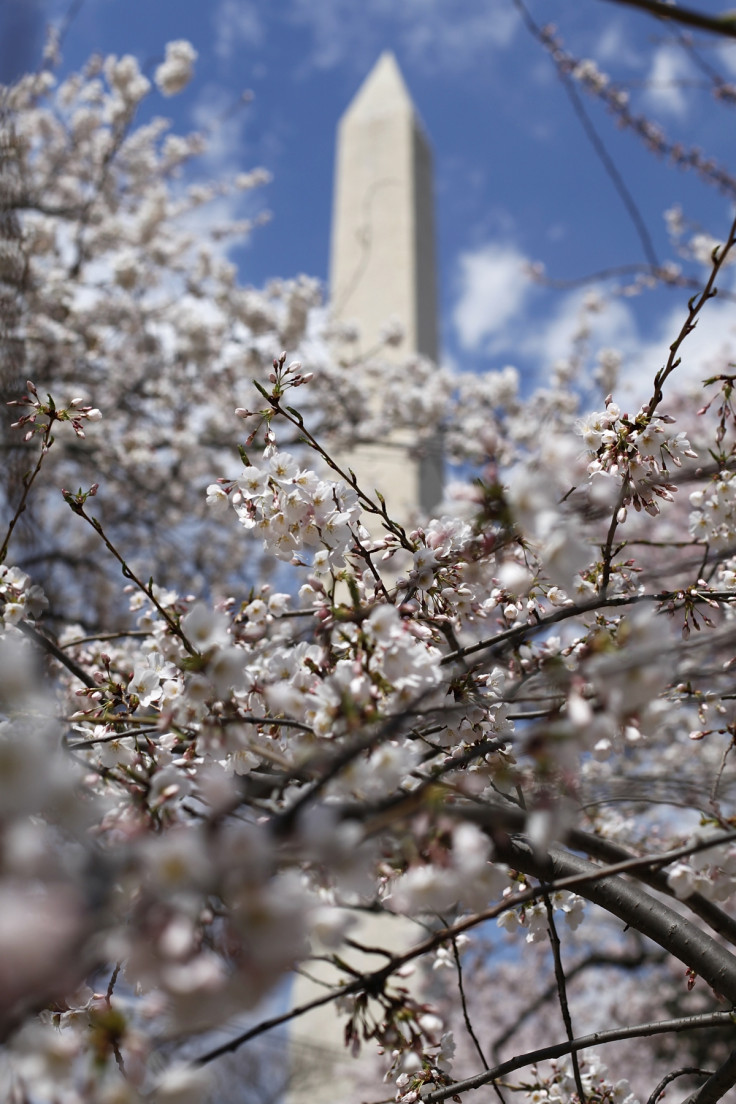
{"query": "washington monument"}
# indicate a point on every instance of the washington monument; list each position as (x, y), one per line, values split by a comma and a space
(382, 262)
(382, 270)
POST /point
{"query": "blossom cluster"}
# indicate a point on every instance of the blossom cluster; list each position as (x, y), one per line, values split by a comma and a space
(642, 450)
(560, 1085)
(21, 597)
(710, 872)
(209, 778)
(294, 511)
(713, 517)
(535, 920)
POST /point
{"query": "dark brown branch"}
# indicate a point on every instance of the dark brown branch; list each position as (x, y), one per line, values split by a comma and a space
(54, 650)
(695, 305)
(671, 1077)
(561, 984)
(510, 819)
(717, 1084)
(608, 852)
(598, 1038)
(632, 905)
(591, 961)
(559, 871)
(716, 24)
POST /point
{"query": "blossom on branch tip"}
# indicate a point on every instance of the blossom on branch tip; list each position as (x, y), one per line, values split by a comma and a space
(175, 72)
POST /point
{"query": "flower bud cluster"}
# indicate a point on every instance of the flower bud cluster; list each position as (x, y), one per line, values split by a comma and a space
(713, 518)
(294, 511)
(559, 1086)
(710, 872)
(44, 414)
(638, 451)
(533, 918)
(450, 569)
(421, 1051)
(20, 597)
(175, 72)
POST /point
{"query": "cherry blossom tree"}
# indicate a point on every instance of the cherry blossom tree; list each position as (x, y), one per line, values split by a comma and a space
(118, 298)
(483, 722)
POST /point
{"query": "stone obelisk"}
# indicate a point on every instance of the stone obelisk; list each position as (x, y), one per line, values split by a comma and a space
(382, 267)
(382, 271)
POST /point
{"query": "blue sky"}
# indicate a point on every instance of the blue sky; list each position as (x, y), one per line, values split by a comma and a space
(517, 179)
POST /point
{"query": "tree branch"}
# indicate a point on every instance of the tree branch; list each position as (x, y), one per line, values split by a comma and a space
(54, 650)
(716, 24)
(561, 984)
(671, 1077)
(598, 1038)
(635, 907)
(717, 1084)
(601, 885)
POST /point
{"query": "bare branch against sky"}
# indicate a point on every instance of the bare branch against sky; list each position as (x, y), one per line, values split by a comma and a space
(718, 24)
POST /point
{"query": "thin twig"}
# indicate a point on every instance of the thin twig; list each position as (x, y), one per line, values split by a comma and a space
(672, 1076)
(612, 170)
(54, 650)
(662, 275)
(75, 502)
(717, 24)
(28, 481)
(719, 775)
(120, 634)
(695, 305)
(368, 504)
(112, 981)
(598, 1038)
(590, 875)
(464, 1003)
(554, 940)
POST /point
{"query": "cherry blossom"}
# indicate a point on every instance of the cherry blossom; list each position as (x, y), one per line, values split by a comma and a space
(511, 723)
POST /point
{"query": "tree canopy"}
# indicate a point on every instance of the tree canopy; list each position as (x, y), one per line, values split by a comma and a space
(296, 709)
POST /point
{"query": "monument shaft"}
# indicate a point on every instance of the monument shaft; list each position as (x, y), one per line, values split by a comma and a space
(383, 251)
(383, 267)
(382, 271)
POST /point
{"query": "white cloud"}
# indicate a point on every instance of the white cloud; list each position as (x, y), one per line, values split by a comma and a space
(613, 45)
(727, 55)
(441, 36)
(226, 156)
(222, 121)
(668, 71)
(434, 34)
(493, 291)
(547, 340)
(499, 311)
(707, 351)
(237, 24)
